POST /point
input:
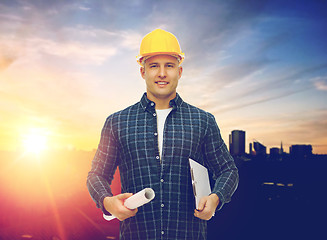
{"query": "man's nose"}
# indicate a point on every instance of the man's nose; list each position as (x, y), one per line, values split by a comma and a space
(162, 72)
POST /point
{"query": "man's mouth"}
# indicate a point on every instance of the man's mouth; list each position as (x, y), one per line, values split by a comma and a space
(161, 83)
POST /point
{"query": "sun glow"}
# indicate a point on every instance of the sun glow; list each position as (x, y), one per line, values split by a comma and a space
(35, 141)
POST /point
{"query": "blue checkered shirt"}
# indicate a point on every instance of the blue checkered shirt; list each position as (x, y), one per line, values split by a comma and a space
(129, 141)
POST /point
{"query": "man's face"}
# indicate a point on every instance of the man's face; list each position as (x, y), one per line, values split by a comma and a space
(161, 74)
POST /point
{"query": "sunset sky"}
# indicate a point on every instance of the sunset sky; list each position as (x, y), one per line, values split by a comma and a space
(259, 66)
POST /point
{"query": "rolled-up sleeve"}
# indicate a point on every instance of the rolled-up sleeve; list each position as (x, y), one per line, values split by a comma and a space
(220, 163)
(104, 165)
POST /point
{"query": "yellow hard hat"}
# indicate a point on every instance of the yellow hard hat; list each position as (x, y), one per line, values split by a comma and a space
(160, 42)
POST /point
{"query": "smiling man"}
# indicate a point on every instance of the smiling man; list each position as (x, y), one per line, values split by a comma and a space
(151, 143)
(161, 74)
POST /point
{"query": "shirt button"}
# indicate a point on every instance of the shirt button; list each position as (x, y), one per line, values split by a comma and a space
(161, 180)
(152, 104)
(154, 114)
(162, 205)
(157, 157)
(155, 134)
(162, 232)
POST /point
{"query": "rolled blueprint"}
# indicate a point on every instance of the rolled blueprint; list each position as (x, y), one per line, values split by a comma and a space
(137, 200)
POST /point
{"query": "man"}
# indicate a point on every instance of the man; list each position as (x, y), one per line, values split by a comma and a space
(151, 143)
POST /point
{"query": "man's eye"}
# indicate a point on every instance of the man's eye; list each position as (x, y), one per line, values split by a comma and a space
(170, 65)
(153, 66)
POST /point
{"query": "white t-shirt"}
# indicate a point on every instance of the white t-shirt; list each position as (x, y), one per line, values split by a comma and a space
(161, 119)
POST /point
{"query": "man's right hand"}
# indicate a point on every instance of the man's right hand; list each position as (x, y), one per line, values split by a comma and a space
(115, 206)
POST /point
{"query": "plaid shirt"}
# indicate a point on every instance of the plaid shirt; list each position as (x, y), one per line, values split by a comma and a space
(129, 140)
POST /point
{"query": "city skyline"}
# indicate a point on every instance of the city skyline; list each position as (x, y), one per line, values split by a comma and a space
(260, 66)
(238, 145)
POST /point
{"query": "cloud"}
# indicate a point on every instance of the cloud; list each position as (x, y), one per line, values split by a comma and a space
(320, 83)
(312, 122)
(240, 85)
(227, 75)
(284, 80)
(10, 17)
(130, 40)
(76, 51)
(256, 100)
(83, 8)
(33, 48)
(46, 96)
(6, 59)
(81, 44)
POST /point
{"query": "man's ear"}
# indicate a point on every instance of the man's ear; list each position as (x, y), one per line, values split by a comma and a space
(142, 71)
(180, 71)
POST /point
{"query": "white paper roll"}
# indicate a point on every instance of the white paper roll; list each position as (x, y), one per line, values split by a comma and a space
(137, 200)
(140, 198)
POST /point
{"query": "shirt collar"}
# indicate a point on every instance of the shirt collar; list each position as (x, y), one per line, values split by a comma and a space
(176, 102)
(147, 104)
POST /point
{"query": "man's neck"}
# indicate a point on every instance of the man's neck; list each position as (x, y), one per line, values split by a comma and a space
(161, 103)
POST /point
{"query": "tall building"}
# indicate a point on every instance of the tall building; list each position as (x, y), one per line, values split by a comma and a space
(237, 143)
(250, 149)
(300, 151)
(259, 148)
(274, 151)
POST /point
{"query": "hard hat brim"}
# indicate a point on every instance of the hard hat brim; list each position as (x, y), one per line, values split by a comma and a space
(141, 58)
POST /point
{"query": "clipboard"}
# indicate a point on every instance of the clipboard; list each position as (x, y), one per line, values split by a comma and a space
(200, 181)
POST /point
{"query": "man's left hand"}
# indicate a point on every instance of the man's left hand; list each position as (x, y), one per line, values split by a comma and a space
(207, 207)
